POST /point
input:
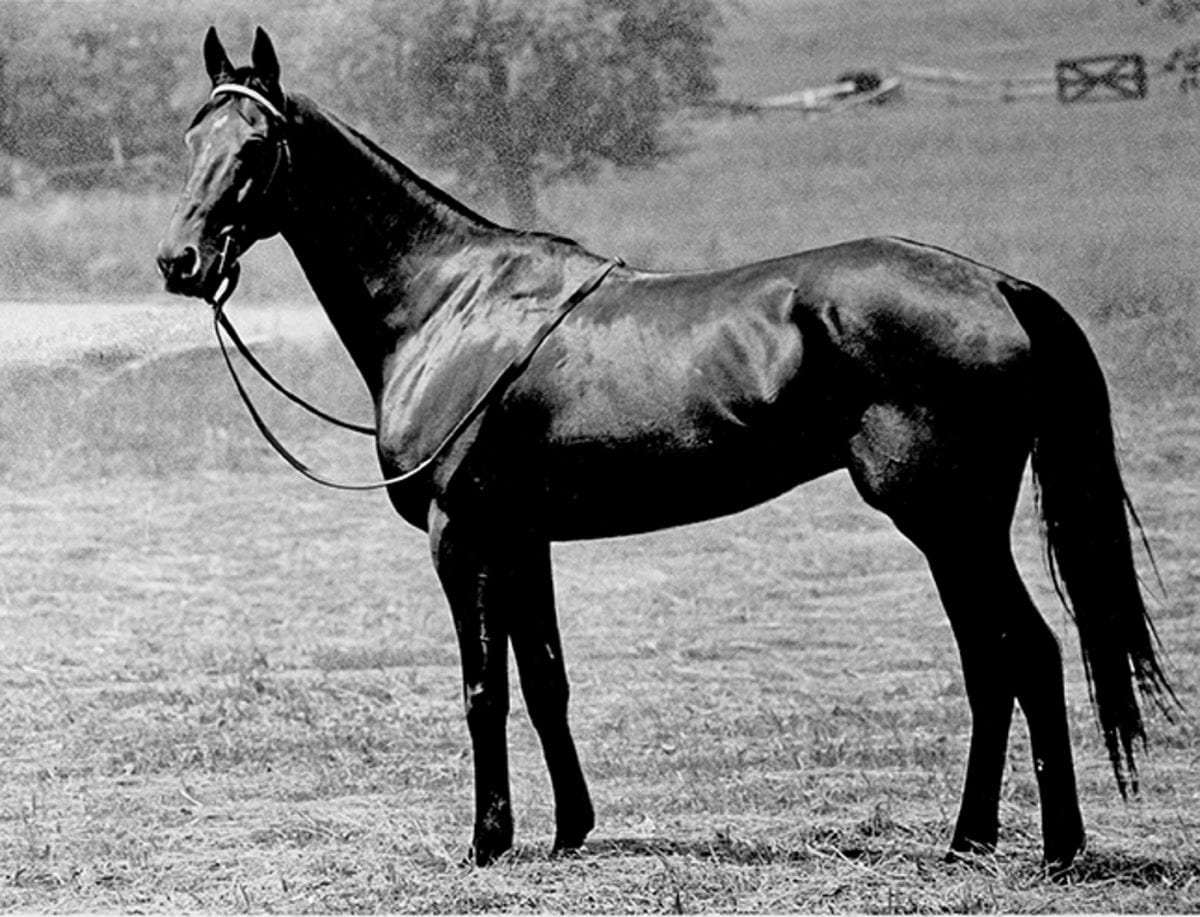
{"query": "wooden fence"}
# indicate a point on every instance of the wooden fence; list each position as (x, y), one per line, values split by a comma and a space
(962, 86)
(1096, 77)
(1102, 76)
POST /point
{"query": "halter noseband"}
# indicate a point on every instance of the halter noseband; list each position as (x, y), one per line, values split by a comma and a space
(237, 89)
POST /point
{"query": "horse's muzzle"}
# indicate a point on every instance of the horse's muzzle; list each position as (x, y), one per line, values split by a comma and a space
(179, 267)
(186, 271)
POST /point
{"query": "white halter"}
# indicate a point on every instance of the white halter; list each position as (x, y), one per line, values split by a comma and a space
(238, 90)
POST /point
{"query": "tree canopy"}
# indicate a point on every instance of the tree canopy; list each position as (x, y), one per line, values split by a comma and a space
(1178, 10)
(506, 95)
(502, 95)
(86, 89)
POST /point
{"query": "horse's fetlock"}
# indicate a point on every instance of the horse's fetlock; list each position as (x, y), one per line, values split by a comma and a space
(484, 705)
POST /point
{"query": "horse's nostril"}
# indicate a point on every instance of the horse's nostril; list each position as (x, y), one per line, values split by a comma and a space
(189, 262)
(184, 265)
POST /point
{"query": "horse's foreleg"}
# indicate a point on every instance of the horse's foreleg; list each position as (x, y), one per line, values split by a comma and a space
(538, 649)
(471, 572)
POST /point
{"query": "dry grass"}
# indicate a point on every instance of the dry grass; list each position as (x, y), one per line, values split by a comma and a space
(227, 690)
(120, 408)
(68, 247)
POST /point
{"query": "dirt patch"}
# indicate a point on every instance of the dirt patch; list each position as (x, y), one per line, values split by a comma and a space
(114, 332)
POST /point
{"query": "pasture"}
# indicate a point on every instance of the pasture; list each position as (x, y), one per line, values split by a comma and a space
(228, 690)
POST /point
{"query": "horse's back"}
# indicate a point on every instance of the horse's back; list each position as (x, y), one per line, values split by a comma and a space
(793, 331)
(912, 317)
(666, 398)
(669, 398)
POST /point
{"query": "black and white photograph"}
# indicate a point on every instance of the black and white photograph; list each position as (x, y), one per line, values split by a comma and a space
(599, 456)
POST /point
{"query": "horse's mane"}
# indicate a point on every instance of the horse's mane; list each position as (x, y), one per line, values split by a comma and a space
(385, 162)
(399, 172)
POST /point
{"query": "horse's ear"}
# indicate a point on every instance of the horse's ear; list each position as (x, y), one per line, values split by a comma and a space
(263, 58)
(215, 58)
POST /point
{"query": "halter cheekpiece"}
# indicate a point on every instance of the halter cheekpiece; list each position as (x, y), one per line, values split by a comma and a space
(231, 248)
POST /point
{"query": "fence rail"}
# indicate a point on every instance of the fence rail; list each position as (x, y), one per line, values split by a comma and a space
(960, 85)
(1107, 76)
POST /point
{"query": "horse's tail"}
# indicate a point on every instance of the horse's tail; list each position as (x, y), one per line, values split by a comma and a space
(1083, 505)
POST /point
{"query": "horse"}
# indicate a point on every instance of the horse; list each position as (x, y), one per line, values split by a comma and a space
(527, 390)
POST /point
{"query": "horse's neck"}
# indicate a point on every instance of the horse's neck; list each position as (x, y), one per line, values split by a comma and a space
(362, 227)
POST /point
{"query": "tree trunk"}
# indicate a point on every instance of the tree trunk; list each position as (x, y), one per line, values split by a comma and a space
(513, 151)
(6, 138)
(519, 193)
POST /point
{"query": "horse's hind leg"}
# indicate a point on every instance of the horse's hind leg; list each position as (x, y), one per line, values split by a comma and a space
(538, 649)
(1040, 692)
(954, 496)
(990, 692)
(1007, 650)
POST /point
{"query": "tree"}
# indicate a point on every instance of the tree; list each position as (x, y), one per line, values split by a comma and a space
(16, 23)
(1177, 10)
(503, 94)
(356, 63)
(87, 89)
(507, 94)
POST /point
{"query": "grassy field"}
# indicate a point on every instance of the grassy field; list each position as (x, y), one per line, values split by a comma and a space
(227, 690)
(776, 46)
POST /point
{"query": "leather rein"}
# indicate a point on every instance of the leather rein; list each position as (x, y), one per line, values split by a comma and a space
(229, 271)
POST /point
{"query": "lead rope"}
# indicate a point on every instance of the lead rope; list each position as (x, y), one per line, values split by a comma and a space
(256, 365)
(218, 303)
(505, 378)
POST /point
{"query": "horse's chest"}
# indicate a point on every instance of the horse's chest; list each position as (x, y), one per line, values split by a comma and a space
(432, 384)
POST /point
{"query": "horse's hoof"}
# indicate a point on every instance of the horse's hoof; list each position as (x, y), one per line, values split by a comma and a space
(568, 843)
(1059, 860)
(486, 851)
(966, 851)
(571, 833)
(481, 857)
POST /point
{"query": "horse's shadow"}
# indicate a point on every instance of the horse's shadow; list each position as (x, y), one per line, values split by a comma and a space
(726, 850)
(1142, 871)
(720, 850)
(1094, 867)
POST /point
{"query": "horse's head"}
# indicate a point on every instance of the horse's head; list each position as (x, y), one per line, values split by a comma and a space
(237, 145)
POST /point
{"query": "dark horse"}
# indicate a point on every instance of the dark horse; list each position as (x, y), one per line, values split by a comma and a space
(667, 398)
